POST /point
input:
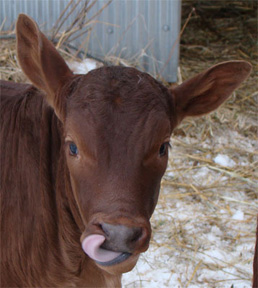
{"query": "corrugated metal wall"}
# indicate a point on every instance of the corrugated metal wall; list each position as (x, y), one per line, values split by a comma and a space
(140, 31)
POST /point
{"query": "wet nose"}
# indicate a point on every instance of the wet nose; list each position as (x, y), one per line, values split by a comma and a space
(122, 238)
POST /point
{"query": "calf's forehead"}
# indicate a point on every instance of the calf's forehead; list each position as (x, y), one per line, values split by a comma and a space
(119, 96)
(126, 87)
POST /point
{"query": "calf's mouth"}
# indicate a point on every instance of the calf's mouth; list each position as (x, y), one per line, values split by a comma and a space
(92, 246)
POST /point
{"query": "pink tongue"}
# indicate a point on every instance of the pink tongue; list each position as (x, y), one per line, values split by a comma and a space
(91, 246)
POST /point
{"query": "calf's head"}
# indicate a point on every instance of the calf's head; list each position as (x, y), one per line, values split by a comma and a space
(117, 124)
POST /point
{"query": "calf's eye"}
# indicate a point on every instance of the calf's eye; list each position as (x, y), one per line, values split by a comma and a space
(163, 149)
(73, 149)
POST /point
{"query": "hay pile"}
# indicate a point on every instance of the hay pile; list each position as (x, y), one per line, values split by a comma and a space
(204, 224)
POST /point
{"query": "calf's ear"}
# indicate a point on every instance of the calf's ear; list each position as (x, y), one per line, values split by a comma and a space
(208, 90)
(40, 61)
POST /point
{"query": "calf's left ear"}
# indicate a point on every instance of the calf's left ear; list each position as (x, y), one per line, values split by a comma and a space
(208, 90)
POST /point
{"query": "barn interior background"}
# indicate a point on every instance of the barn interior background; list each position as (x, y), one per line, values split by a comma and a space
(143, 33)
(204, 224)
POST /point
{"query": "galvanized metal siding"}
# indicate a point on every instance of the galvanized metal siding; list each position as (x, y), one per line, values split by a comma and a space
(139, 31)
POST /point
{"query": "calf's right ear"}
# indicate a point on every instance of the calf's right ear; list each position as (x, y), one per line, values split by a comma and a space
(40, 61)
(208, 90)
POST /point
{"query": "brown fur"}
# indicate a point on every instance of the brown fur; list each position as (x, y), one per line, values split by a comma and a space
(119, 118)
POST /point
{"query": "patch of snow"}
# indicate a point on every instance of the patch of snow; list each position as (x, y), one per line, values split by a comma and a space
(224, 160)
(239, 215)
(212, 237)
(213, 276)
(216, 231)
(84, 66)
(202, 173)
(214, 255)
(245, 248)
(170, 174)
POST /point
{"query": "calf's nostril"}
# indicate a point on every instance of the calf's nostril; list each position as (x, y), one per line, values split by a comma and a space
(136, 234)
(121, 238)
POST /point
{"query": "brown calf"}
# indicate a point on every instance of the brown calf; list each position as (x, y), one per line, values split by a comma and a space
(82, 159)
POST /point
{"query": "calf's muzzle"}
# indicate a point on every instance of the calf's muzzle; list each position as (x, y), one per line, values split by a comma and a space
(117, 243)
